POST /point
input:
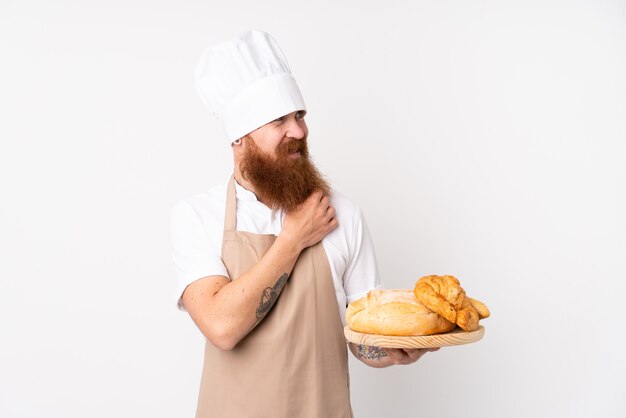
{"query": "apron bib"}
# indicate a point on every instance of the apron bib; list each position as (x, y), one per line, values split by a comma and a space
(294, 363)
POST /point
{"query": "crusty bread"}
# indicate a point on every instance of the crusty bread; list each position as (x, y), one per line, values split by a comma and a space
(394, 312)
(441, 294)
(445, 296)
(481, 308)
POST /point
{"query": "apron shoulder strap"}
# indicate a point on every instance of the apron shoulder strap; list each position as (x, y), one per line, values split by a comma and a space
(230, 216)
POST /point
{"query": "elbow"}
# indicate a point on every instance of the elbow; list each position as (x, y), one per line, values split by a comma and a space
(222, 339)
(224, 344)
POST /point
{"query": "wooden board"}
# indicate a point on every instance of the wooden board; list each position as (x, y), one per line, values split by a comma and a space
(455, 337)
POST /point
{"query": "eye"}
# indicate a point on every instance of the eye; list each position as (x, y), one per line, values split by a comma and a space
(280, 119)
(300, 114)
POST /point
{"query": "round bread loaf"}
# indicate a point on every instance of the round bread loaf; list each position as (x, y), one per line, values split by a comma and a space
(394, 312)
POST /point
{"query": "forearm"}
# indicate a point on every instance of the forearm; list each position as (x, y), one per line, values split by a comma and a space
(248, 299)
(370, 355)
(227, 312)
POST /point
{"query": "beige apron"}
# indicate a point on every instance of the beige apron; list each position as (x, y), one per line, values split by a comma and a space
(295, 362)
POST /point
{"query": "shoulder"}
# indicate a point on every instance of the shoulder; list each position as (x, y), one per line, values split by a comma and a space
(345, 208)
(349, 218)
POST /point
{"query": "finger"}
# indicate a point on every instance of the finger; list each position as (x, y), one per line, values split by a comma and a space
(395, 354)
(418, 353)
(429, 349)
(414, 354)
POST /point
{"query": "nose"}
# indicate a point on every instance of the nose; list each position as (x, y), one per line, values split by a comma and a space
(296, 127)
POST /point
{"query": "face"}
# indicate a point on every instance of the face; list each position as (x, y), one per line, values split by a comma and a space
(279, 132)
(275, 160)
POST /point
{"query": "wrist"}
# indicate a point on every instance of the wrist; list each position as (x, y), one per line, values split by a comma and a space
(288, 243)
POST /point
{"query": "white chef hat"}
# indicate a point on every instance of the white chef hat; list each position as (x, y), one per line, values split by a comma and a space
(246, 82)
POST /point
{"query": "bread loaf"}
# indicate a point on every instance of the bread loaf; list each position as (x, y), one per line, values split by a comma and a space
(394, 312)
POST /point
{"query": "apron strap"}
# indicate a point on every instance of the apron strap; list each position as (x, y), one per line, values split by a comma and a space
(230, 217)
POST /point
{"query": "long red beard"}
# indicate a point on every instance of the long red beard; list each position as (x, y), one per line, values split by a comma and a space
(282, 182)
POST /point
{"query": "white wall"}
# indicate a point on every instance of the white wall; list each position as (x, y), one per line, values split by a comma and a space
(482, 139)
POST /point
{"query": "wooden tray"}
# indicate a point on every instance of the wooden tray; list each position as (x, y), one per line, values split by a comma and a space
(454, 337)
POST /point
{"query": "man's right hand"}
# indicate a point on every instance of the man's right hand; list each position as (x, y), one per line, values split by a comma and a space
(310, 222)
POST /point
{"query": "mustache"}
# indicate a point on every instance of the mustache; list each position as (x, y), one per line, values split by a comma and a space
(291, 146)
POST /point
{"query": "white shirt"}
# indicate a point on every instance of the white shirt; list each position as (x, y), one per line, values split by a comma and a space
(197, 228)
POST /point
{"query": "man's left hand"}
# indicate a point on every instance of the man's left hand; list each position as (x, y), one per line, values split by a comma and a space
(407, 355)
(384, 357)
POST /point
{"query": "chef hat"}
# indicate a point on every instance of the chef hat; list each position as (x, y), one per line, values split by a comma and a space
(246, 82)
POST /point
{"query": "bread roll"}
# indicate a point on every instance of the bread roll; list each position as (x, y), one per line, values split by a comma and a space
(394, 312)
(441, 294)
(445, 296)
(481, 308)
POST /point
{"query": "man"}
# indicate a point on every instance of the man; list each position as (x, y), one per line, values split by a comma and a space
(268, 261)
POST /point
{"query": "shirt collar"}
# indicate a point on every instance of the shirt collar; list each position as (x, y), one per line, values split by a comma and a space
(244, 194)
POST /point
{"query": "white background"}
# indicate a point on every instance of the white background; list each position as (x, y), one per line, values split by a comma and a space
(484, 139)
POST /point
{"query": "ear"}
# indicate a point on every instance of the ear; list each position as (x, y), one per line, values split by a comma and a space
(238, 150)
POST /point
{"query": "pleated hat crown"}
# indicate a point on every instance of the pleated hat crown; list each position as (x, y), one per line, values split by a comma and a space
(246, 82)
